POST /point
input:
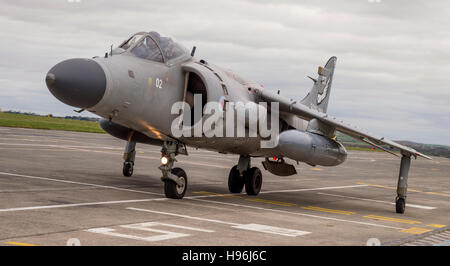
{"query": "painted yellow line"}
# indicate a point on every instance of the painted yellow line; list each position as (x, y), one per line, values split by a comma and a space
(439, 194)
(273, 202)
(206, 193)
(20, 244)
(232, 196)
(390, 219)
(414, 190)
(316, 169)
(279, 203)
(415, 230)
(372, 185)
(327, 210)
(436, 225)
(215, 194)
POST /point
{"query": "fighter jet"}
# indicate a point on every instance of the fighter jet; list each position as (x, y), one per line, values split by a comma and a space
(150, 88)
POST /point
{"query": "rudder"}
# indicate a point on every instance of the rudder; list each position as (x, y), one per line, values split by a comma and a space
(319, 95)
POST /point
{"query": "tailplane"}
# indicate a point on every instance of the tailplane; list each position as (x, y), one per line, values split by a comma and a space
(320, 93)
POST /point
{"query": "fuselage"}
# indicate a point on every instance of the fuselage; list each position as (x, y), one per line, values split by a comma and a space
(139, 94)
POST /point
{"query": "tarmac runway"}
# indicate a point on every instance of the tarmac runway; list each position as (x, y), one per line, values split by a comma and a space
(59, 188)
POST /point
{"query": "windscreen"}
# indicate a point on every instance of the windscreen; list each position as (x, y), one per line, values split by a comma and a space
(131, 41)
(170, 48)
(148, 49)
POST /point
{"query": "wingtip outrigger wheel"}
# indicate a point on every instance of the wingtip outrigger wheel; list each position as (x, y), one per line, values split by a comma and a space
(400, 204)
(402, 185)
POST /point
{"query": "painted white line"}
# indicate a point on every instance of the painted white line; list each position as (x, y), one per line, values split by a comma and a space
(59, 146)
(144, 226)
(110, 202)
(117, 188)
(380, 201)
(272, 230)
(79, 183)
(251, 227)
(289, 180)
(309, 189)
(84, 149)
(298, 213)
(148, 227)
(183, 216)
(57, 206)
(40, 139)
(165, 235)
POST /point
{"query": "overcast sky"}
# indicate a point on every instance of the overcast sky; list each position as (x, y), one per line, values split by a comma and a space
(392, 75)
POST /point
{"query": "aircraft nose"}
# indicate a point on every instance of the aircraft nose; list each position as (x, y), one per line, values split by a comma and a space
(77, 82)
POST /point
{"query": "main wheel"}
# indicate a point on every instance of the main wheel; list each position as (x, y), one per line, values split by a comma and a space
(172, 189)
(253, 181)
(127, 169)
(235, 181)
(400, 205)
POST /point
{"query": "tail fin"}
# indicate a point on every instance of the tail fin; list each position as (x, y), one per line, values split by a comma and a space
(320, 93)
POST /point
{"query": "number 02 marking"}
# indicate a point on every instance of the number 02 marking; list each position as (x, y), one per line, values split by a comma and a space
(159, 83)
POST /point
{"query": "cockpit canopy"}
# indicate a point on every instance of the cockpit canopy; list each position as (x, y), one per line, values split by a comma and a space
(152, 46)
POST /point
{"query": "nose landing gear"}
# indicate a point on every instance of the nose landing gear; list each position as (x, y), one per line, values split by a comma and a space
(175, 179)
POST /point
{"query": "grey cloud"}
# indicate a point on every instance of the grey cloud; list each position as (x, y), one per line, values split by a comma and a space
(391, 76)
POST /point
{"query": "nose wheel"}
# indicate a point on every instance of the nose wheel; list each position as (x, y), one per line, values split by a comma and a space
(173, 189)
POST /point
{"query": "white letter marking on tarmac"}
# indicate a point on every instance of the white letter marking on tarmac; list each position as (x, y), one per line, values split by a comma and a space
(165, 235)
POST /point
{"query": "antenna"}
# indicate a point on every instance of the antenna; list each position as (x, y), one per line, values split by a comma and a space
(193, 51)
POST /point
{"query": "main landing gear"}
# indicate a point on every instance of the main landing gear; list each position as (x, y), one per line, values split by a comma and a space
(175, 179)
(243, 175)
(128, 156)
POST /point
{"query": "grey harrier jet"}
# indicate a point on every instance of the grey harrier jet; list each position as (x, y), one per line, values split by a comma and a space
(151, 90)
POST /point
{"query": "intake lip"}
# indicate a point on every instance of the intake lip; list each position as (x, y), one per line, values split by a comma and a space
(77, 82)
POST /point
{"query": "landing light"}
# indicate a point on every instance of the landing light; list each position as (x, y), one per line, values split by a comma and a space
(164, 160)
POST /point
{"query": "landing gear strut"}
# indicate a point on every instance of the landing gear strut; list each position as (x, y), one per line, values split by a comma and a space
(402, 185)
(175, 179)
(243, 175)
(128, 156)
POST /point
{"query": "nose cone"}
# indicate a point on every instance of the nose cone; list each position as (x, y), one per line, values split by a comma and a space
(77, 82)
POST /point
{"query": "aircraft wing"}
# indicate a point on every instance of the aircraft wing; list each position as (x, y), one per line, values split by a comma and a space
(304, 112)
